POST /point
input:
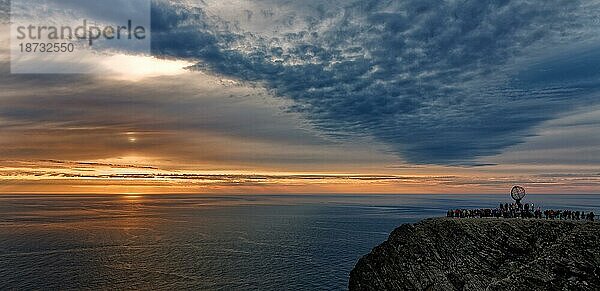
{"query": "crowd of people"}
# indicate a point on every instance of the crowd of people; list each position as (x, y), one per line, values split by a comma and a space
(518, 210)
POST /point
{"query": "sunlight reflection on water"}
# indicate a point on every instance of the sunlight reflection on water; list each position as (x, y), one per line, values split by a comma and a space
(271, 242)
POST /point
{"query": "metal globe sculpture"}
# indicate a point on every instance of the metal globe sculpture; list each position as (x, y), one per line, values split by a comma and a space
(517, 193)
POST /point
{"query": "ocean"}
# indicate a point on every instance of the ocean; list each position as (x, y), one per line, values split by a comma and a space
(210, 242)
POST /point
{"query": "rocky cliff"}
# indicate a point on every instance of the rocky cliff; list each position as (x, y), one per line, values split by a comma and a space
(484, 254)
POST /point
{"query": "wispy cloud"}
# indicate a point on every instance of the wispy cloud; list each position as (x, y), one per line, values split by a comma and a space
(86, 177)
(313, 96)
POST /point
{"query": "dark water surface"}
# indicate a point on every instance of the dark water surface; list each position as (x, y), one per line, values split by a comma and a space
(210, 242)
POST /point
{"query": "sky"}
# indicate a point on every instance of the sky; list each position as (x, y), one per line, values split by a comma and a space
(278, 96)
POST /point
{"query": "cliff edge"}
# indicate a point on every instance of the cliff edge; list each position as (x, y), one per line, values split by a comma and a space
(484, 254)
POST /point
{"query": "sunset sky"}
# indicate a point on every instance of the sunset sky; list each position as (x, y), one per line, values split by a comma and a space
(353, 96)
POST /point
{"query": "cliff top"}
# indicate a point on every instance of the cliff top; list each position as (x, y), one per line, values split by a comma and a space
(484, 254)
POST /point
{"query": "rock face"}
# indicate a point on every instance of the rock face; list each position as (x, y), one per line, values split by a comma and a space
(484, 254)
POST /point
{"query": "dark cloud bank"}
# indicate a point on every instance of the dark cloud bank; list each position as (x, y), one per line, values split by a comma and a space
(441, 82)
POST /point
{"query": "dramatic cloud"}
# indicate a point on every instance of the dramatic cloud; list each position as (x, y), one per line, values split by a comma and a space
(190, 120)
(439, 81)
(278, 96)
(571, 140)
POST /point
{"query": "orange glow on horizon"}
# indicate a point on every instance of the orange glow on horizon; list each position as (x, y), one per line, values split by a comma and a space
(131, 176)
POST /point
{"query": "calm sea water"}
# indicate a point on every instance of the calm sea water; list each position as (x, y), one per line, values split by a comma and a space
(210, 242)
